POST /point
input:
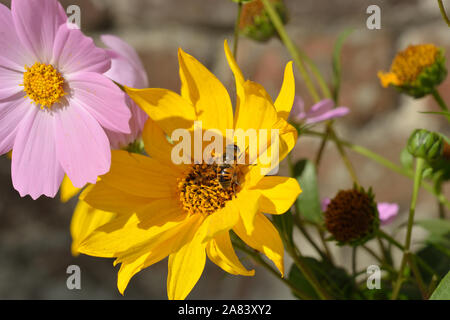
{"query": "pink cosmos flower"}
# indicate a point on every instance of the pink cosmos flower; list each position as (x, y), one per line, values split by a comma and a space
(386, 211)
(126, 69)
(321, 111)
(55, 101)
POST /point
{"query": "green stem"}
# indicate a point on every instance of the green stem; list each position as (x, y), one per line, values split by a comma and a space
(290, 46)
(343, 155)
(304, 269)
(386, 163)
(258, 259)
(315, 71)
(420, 163)
(308, 237)
(236, 30)
(440, 102)
(418, 276)
(444, 15)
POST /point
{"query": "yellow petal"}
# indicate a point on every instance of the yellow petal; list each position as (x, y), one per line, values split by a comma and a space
(104, 197)
(140, 175)
(257, 112)
(143, 256)
(156, 143)
(265, 238)
(128, 231)
(221, 252)
(248, 203)
(269, 158)
(185, 268)
(167, 108)
(239, 79)
(9, 154)
(285, 98)
(278, 194)
(206, 93)
(68, 191)
(220, 221)
(85, 220)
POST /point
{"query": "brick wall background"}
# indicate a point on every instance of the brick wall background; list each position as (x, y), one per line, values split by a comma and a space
(34, 235)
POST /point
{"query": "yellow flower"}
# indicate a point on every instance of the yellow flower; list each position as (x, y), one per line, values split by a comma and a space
(85, 219)
(416, 70)
(161, 207)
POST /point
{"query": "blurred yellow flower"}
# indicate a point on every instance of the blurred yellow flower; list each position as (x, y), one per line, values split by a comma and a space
(416, 70)
(160, 206)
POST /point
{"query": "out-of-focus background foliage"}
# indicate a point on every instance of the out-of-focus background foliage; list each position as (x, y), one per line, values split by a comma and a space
(34, 235)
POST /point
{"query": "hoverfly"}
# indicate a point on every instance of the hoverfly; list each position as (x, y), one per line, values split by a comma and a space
(227, 173)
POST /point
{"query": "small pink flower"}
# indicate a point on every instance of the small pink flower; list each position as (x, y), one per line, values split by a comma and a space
(55, 102)
(386, 211)
(126, 69)
(321, 111)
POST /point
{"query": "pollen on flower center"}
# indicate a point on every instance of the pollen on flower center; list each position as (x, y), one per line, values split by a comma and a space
(200, 191)
(43, 84)
(409, 63)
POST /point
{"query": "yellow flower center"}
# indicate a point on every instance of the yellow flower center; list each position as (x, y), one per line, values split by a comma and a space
(43, 84)
(409, 63)
(206, 188)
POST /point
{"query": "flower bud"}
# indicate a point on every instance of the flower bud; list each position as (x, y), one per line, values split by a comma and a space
(416, 71)
(426, 144)
(352, 216)
(255, 23)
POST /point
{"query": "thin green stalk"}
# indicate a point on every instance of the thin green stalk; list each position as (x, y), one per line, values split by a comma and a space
(236, 30)
(258, 259)
(290, 46)
(443, 13)
(344, 157)
(315, 71)
(418, 276)
(420, 163)
(440, 102)
(308, 237)
(304, 269)
(386, 163)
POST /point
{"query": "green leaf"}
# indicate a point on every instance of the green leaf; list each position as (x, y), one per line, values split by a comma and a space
(337, 63)
(406, 159)
(308, 203)
(443, 113)
(285, 225)
(438, 230)
(442, 291)
(335, 280)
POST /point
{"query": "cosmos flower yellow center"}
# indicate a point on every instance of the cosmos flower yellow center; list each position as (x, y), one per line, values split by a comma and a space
(43, 84)
(409, 63)
(203, 191)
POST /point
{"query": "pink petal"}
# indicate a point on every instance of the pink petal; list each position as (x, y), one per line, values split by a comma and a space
(387, 212)
(74, 52)
(13, 56)
(102, 99)
(327, 115)
(10, 82)
(81, 145)
(324, 204)
(137, 122)
(320, 107)
(12, 111)
(37, 22)
(126, 67)
(298, 110)
(35, 169)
